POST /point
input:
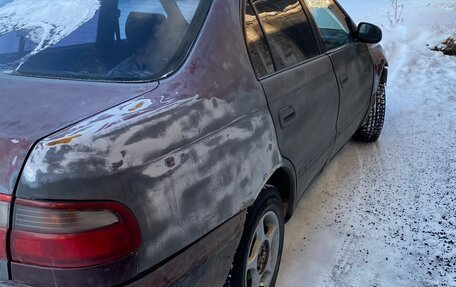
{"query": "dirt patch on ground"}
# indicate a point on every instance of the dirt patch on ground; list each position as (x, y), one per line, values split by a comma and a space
(448, 47)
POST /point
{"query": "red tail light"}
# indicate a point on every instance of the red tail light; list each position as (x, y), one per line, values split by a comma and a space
(5, 202)
(71, 235)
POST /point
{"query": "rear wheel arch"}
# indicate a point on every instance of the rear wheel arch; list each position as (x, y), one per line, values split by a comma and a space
(283, 179)
(261, 239)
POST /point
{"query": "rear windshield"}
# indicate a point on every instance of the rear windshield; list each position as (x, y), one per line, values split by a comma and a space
(112, 40)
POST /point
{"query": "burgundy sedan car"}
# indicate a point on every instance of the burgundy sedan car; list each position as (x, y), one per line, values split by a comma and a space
(165, 143)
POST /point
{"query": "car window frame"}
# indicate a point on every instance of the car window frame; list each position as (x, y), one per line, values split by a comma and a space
(244, 30)
(348, 20)
(317, 37)
(179, 62)
(288, 67)
(351, 24)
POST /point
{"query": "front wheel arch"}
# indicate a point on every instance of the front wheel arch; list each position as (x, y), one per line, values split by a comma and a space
(372, 126)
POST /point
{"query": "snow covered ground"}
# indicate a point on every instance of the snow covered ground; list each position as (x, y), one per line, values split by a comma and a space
(384, 214)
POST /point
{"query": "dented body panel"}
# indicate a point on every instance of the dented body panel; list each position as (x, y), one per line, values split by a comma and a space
(33, 108)
(167, 154)
(187, 154)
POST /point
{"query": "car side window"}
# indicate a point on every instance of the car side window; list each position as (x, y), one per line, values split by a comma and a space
(331, 22)
(288, 31)
(256, 44)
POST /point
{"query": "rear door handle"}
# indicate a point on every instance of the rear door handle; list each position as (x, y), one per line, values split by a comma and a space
(286, 116)
(343, 80)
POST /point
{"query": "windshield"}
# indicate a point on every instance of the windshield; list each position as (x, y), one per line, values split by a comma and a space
(113, 40)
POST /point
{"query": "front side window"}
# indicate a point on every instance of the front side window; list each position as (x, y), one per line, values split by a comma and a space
(256, 44)
(288, 31)
(112, 40)
(331, 22)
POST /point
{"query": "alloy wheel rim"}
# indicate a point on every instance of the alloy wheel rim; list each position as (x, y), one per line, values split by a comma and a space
(263, 252)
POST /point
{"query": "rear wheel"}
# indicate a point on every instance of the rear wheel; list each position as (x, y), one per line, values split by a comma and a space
(371, 130)
(257, 259)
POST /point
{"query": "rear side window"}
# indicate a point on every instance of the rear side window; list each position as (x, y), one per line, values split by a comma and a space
(288, 32)
(331, 22)
(112, 40)
(256, 44)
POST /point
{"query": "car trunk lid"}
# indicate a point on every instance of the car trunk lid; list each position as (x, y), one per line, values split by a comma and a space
(33, 108)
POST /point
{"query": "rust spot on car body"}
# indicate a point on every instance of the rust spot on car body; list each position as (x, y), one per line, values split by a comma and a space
(66, 140)
(138, 106)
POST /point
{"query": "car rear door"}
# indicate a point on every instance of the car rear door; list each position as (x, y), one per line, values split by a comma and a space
(352, 65)
(298, 81)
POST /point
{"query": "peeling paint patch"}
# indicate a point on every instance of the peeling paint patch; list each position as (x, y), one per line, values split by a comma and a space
(30, 174)
(138, 106)
(14, 161)
(66, 140)
(14, 141)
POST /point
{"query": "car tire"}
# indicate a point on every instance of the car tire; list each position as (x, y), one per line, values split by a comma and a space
(257, 259)
(370, 131)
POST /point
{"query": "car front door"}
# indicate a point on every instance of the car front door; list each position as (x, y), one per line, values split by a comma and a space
(352, 65)
(298, 81)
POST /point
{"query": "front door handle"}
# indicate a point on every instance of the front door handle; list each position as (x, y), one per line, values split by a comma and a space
(343, 80)
(286, 116)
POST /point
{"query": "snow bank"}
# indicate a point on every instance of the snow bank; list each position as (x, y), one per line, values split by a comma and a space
(425, 24)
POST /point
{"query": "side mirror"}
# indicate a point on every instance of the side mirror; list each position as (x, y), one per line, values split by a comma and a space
(369, 33)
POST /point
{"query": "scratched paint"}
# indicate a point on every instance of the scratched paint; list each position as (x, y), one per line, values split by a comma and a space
(62, 141)
(184, 157)
(33, 108)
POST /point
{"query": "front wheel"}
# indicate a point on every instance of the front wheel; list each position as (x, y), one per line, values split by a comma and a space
(257, 259)
(371, 130)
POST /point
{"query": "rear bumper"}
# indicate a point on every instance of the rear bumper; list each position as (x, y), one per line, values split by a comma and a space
(204, 263)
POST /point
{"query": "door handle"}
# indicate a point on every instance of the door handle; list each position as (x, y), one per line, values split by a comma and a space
(286, 116)
(343, 80)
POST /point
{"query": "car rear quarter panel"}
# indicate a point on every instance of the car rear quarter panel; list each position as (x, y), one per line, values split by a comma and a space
(184, 158)
(32, 108)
